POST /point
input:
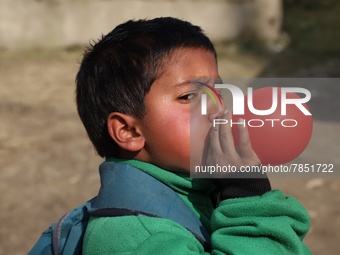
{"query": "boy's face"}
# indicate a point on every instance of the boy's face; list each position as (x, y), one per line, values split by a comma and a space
(173, 111)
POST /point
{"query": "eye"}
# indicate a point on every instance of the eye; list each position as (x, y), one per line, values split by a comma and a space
(187, 97)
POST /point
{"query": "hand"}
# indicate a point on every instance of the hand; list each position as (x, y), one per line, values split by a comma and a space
(221, 151)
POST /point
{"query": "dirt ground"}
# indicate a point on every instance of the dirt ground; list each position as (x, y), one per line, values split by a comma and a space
(48, 165)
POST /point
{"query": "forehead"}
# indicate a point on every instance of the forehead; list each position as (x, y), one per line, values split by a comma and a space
(185, 64)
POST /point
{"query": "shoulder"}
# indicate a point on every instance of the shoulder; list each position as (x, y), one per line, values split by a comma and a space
(127, 233)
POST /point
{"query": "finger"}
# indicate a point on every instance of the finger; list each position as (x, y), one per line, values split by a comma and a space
(226, 136)
(245, 147)
(214, 141)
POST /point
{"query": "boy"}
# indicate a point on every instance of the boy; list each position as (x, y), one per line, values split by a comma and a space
(137, 105)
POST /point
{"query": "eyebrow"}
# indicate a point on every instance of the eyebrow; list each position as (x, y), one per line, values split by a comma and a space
(200, 81)
(183, 83)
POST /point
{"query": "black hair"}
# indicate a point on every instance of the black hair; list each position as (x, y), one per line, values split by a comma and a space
(117, 71)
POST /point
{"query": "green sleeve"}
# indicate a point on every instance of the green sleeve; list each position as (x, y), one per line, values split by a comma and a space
(270, 224)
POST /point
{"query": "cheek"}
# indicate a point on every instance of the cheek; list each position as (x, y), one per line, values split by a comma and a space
(199, 126)
(170, 136)
(177, 128)
(199, 130)
(191, 129)
(169, 127)
(175, 135)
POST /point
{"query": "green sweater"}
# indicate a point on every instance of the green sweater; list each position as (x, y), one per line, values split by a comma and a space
(269, 224)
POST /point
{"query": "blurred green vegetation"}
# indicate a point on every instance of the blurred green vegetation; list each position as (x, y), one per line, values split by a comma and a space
(313, 48)
(313, 25)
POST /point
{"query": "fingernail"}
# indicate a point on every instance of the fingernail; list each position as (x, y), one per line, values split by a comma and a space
(226, 111)
(241, 120)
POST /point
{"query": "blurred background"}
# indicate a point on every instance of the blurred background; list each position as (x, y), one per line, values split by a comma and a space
(48, 165)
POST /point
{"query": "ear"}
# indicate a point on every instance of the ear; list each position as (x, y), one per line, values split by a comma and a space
(125, 131)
